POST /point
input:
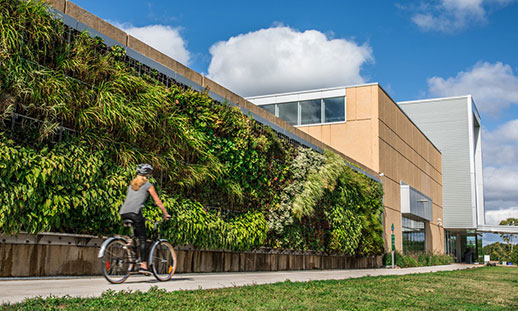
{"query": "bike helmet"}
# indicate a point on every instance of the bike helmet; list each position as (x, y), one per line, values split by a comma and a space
(144, 169)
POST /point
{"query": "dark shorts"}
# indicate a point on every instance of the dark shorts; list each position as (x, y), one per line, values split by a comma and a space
(140, 223)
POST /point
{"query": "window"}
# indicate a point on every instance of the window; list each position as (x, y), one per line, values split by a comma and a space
(269, 108)
(315, 111)
(414, 237)
(451, 243)
(334, 109)
(289, 112)
(310, 112)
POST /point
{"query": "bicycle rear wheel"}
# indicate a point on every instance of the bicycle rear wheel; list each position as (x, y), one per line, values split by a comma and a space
(163, 261)
(115, 263)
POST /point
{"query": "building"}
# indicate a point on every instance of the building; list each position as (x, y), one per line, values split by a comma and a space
(364, 123)
(454, 125)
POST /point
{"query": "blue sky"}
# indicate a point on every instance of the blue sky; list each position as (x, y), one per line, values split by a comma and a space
(413, 49)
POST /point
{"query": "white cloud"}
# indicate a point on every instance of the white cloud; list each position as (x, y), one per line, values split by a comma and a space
(281, 59)
(500, 154)
(501, 183)
(454, 15)
(494, 217)
(494, 86)
(508, 132)
(501, 145)
(500, 148)
(163, 38)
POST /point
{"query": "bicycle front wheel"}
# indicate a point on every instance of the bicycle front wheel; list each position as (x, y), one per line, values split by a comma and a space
(115, 263)
(163, 261)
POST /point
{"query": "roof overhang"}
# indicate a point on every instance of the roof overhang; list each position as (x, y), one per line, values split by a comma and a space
(414, 204)
(498, 229)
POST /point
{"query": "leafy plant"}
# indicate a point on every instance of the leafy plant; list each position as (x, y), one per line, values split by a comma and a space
(419, 259)
(280, 217)
(316, 183)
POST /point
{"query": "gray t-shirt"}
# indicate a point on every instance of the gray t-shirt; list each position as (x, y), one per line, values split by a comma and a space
(135, 199)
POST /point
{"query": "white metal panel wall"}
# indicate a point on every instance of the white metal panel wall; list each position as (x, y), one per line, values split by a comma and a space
(446, 123)
(479, 178)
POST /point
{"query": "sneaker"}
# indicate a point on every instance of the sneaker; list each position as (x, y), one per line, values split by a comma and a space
(144, 271)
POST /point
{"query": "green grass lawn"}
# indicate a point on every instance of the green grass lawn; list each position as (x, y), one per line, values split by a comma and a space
(487, 288)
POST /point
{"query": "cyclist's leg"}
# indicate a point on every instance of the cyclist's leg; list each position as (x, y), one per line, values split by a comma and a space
(139, 224)
(140, 232)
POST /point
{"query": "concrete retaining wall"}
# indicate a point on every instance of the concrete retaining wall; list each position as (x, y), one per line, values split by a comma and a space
(57, 255)
(219, 261)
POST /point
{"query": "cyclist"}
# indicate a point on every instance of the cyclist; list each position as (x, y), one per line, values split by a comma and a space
(138, 192)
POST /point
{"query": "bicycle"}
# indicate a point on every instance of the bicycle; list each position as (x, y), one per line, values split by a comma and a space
(118, 257)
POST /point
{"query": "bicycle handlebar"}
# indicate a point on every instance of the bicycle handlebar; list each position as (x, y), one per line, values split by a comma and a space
(156, 223)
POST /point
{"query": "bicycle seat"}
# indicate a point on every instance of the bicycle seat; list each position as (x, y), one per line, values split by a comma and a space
(127, 222)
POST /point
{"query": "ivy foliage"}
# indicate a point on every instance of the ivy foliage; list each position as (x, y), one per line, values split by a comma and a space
(67, 188)
(56, 188)
(193, 225)
(354, 210)
(281, 214)
(194, 144)
(318, 181)
(259, 189)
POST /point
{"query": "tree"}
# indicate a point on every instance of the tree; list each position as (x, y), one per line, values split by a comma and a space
(498, 251)
(509, 238)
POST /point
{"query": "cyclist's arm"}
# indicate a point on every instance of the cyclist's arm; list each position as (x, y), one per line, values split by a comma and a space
(155, 197)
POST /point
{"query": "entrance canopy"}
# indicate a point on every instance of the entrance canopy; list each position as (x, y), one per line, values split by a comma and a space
(414, 204)
(498, 229)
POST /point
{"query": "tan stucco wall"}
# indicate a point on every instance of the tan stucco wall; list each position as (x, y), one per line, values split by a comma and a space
(379, 135)
(405, 154)
(357, 137)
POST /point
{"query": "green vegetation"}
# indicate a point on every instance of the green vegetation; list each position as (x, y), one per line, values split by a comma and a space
(510, 238)
(420, 259)
(502, 252)
(487, 288)
(228, 181)
(59, 187)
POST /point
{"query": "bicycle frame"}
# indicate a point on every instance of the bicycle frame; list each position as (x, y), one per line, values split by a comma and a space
(156, 257)
(132, 238)
(120, 238)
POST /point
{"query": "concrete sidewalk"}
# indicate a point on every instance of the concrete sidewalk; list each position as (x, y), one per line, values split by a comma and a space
(16, 290)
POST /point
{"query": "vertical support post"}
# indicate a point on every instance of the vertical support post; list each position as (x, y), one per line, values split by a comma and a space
(458, 247)
(393, 242)
(475, 255)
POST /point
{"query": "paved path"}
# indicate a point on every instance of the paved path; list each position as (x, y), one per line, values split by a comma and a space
(16, 290)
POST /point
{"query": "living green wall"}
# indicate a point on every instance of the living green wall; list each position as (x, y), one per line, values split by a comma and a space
(228, 181)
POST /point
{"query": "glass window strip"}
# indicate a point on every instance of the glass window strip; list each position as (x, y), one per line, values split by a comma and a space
(334, 103)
